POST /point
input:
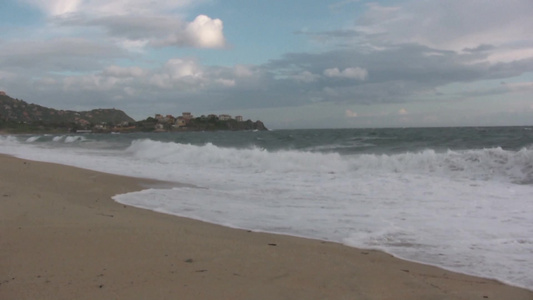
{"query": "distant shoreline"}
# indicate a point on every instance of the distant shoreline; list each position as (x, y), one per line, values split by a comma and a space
(18, 116)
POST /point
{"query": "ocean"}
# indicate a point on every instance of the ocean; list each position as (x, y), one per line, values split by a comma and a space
(458, 198)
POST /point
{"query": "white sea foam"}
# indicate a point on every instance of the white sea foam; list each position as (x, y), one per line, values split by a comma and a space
(58, 138)
(33, 139)
(72, 139)
(468, 211)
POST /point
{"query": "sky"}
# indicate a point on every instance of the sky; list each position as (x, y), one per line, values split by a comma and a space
(290, 64)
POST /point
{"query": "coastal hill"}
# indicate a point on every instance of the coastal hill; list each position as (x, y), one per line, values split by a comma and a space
(17, 116)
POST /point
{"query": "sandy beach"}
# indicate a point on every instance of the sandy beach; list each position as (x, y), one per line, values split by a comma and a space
(63, 237)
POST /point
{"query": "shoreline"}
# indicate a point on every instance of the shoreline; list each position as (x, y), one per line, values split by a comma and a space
(63, 237)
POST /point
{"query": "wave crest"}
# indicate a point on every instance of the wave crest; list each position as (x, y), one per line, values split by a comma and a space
(482, 164)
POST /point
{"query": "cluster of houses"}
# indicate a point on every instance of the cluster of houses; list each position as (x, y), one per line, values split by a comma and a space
(186, 117)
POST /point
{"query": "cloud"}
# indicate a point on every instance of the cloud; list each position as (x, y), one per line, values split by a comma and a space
(137, 23)
(243, 71)
(155, 30)
(179, 74)
(56, 55)
(134, 46)
(521, 87)
(123, 72)
(350, 114)
(350, 73)
(203, 32)
(401, 73)
(226, 82)
(342, 4)
(161, 31)
(175, 76)
(131, 27)
(6, 74)
(93, 50)
(306, 77)
(116, 81)
(450, 25)
(497, 29)
(89, 83)
(180, 68)
(55, 8)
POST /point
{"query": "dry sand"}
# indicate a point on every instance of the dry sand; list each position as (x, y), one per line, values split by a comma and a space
(63, 237)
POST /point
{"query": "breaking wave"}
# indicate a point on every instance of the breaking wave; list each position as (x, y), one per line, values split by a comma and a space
(483, 164)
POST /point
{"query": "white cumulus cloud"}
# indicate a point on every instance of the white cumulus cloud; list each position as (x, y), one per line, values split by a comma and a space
(205, 32)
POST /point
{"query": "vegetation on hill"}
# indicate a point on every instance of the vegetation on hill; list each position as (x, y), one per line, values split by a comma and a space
(213, 123)
(17, 116)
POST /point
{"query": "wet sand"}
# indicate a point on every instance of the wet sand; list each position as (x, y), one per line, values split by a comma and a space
(63, 237)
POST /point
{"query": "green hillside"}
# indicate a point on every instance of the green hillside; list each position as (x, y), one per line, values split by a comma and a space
(18, 115)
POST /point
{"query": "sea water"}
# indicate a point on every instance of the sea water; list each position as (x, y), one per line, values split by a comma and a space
(458, 198)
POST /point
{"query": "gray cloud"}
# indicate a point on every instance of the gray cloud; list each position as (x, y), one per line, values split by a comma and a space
(452, 25)
(386, 57)
(57, 55)
(399, 74)
(156, 30)
(480, 48)
(395, 75)
(133, 27)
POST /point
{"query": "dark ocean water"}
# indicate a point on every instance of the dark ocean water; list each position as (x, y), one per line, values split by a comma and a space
(344, 141)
